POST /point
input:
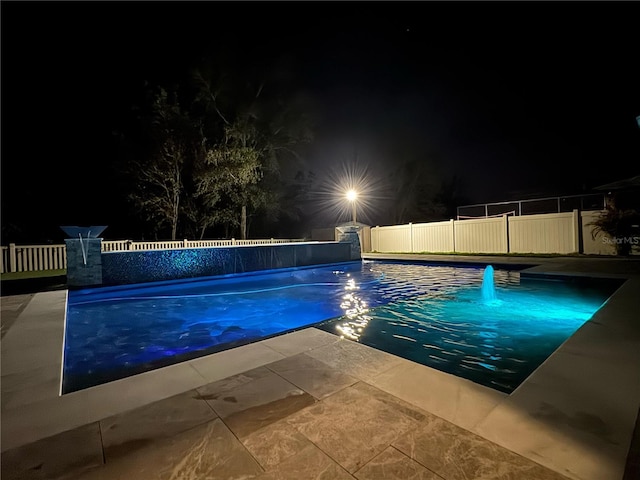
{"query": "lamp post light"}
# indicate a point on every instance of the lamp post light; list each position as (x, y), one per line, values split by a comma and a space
(352, 196)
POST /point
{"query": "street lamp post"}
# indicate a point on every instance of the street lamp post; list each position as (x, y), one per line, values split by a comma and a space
(352, 196)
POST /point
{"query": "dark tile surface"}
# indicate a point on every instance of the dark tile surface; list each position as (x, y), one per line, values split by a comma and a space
(61, 456)
(254, 399)
(135, 429)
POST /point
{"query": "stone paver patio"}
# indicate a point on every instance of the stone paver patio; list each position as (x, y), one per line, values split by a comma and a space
(311, 405)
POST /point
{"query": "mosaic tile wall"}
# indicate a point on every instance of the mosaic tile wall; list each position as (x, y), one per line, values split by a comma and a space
(120, 268)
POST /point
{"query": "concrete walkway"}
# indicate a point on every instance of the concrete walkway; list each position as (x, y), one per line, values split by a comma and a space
(311, 405)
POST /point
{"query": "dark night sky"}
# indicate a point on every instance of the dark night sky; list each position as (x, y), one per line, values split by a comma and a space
(516, 98)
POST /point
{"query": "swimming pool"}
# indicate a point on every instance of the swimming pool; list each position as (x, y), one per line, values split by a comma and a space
(431, 314)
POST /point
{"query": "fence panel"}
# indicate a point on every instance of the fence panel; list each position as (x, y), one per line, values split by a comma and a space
(4, 266)
(433, 237)
(33, 258)
(115, 245)
(163, 245)
(485, 235)
(395, 238)
(208, 243)
(375, 235)
(544, 233)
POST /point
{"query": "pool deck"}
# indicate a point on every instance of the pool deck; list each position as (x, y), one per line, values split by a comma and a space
(310, 405)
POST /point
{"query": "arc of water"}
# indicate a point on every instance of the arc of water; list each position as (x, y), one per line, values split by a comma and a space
(82, 247)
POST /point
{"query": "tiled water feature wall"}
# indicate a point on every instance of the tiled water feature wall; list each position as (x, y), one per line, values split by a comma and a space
(92, 268)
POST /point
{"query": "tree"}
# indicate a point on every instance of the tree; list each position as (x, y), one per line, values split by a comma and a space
(224, 175)
(287, 128)
(415, 188)
(450, 196)
(285, 204)
(211, 153)
(262, 130)
(172, 142)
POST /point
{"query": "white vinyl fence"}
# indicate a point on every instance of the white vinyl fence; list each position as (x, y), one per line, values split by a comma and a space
(433, 237)
(33, 258)
(559, 233)
(482, 235)
(545, 233)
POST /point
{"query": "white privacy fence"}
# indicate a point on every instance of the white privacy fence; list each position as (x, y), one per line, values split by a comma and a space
(552, 233)
(481, 235)
(33, 258)
(545, 233)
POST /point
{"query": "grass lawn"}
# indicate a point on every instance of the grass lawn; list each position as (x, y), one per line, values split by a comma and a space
(17, 283)
(26, 275)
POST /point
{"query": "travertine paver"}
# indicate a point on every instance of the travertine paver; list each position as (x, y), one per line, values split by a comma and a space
(391, 464)
(457, 454)
(56, 457)
(311, 375)
(353, 426)
(142, 426)
(205, 451)
(254, 399)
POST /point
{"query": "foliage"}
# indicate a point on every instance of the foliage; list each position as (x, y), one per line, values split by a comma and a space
(261, 130)
(216, 152)
(160, 175)
(223, 176)
(415, 190)
(620, 224)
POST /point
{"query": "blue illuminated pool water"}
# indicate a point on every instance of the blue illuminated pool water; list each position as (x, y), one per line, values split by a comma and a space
(432, 314)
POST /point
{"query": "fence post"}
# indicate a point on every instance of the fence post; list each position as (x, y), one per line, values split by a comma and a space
(410, 237)
(507, 239)
(12, 258)
(453, 235)
(577, 247)
(233, 241)
(374, 238)
(185, 243)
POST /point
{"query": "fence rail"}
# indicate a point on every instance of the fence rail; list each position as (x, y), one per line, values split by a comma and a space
(34, 258)
(534, 206)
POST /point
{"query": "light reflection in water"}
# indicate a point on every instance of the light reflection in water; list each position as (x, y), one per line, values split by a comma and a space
(355, 312)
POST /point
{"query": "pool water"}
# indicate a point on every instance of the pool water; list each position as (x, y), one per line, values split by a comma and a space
(435, 315)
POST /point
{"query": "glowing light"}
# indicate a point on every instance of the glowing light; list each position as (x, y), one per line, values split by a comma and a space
(352, 195)
(330, 195)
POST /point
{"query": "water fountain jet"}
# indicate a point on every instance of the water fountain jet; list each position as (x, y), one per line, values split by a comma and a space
(488, 286)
